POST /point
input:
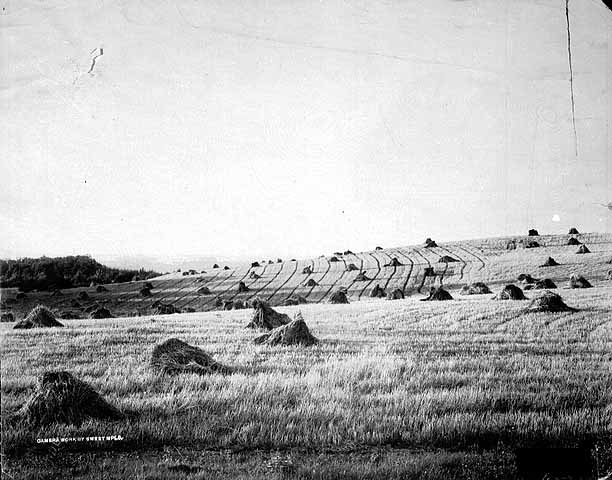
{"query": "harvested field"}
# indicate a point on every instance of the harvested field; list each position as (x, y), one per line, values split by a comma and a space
(484, 376)
(512, 332)
(486, 261)
(181, 182)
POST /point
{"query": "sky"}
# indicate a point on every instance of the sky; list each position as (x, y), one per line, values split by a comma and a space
(294, 128)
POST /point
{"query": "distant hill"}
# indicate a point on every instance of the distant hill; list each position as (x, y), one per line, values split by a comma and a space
(46, 273)
(409, 271)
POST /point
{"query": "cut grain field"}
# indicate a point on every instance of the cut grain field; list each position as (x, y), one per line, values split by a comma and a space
(453, 385)
(487, 260)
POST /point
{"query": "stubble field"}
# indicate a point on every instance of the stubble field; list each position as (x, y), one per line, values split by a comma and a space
(402, 388)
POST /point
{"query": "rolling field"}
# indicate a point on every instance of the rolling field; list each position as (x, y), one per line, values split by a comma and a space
(393, 389)
(485, 260)
(448, 385)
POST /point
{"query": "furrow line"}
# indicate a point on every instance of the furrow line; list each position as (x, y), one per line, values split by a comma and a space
(299, 284)
(254, 294)
(320, 279)
(401, 253)
(373, 278)
(285, 282)
(392, 273)
(424, 276)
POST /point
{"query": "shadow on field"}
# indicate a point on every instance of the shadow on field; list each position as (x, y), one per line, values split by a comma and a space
(176, 463)
(363, 463)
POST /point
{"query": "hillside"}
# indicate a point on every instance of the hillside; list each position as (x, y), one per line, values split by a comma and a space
(418, 268)
(428, 389)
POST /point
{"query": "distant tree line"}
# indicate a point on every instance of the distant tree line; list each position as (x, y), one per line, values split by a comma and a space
(63, 272)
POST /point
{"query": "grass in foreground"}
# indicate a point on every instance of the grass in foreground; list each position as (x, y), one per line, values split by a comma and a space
(469, 375)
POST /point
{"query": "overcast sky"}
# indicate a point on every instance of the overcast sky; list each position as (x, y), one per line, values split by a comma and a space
(290, 128)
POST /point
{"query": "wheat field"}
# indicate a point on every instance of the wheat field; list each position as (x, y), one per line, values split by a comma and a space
(471, 375)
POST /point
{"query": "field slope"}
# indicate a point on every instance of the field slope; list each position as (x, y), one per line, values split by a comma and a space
(393, 389)
(486, 260)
